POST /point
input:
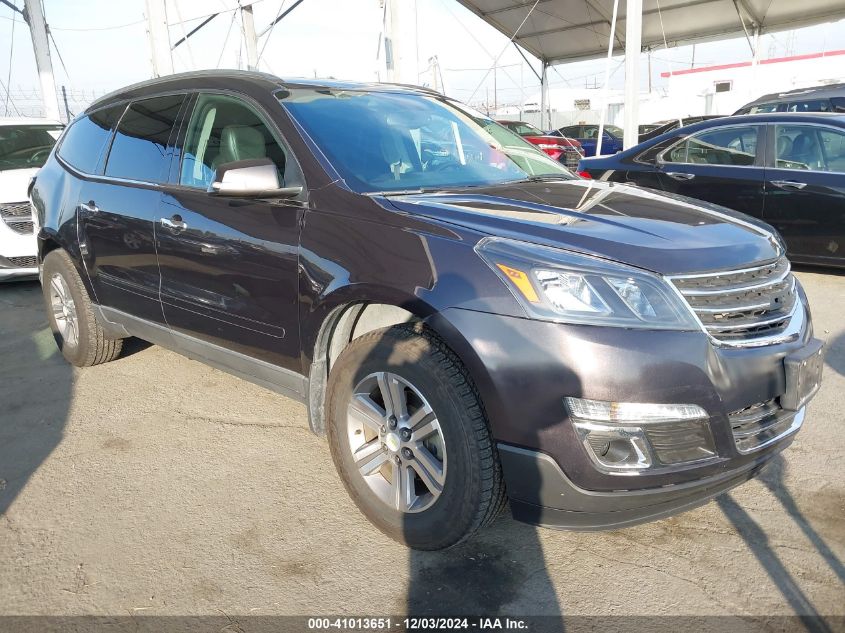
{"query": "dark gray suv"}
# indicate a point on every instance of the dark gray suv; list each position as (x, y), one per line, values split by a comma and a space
(466, 320)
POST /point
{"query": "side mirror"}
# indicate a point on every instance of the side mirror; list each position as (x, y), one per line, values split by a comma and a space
(254, 178)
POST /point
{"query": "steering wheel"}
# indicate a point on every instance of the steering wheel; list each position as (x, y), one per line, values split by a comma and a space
(444, 166)
(40, 156)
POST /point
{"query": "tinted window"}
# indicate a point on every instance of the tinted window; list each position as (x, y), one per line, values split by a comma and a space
(809, 147)
(87, 137)
(223, 130)
(722, 146)
(23, 146)
(837, 104)
(763, 107)
(816, 105)
(381, 141)
(139, 149)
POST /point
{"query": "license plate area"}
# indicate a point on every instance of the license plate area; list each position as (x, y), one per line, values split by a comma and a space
(803, 375)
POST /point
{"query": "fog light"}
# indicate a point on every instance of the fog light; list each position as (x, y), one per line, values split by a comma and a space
(632, 436)
(615, 447)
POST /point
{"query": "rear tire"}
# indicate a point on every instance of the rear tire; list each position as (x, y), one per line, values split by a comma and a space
(456, 484)
(78, 334)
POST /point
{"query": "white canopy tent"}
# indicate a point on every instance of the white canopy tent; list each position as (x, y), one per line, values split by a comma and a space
(558, 31)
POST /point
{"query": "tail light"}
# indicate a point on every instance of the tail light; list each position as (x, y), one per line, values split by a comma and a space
(585, 174)
(552, 149)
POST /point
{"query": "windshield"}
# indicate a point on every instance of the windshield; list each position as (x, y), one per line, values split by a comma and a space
(523, 129)
(390, 142)
(23, 146)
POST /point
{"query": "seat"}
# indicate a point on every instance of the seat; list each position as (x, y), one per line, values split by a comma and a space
(784, 147)
(240, 142)
(804, 150)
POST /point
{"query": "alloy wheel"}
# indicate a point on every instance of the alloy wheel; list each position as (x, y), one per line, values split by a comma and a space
(64, 310)
(396, 442)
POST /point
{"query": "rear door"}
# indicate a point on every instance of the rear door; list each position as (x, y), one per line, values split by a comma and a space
(118, 209)
(805, 190)
(229, 265)
(723, 165)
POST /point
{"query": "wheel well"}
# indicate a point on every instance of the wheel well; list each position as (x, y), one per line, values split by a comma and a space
(343, 325)
(47, 245)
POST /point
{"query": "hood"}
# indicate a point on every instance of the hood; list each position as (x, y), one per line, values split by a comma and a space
(13, 184)
(641, 227)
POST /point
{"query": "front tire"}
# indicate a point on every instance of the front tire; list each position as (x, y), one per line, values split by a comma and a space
(78, 334)
(410, 439)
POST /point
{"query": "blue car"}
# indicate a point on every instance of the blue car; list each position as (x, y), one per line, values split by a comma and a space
(588, 136)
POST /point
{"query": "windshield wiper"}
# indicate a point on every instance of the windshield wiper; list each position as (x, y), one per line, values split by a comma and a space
(541, 178)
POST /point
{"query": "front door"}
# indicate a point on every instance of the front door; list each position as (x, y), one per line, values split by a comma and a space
(805, 191)
(723, 165)
(118, 210)
(229, 266)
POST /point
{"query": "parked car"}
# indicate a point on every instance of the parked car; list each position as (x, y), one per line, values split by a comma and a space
(587, 135)
(566, 150)
(661, 127)
(829, 98)
(24, 146)
(786, 169)
(454, 328)
(645, 128)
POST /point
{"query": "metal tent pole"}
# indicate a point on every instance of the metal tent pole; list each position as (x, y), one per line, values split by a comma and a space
(250, 39)
(159, 37)
(38, 30)
(545, 120)
(606, 85)
(633, 47)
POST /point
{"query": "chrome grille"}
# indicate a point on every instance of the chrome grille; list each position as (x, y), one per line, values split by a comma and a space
(17, 216)
(24, 262)
(762, 424)
(741, 305)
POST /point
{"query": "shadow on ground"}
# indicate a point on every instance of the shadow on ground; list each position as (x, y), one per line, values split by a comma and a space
(36, 386)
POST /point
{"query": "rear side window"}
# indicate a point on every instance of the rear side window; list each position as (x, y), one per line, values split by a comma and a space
(85, 140)
(809, 147)
(816, 105)
(763, 108)
(139, 150)
(722, 146)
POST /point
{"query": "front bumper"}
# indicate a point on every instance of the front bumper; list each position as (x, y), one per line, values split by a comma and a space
(524, 369)
(11, 270)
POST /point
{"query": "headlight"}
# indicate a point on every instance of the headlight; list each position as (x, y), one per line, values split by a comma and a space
(558, 285)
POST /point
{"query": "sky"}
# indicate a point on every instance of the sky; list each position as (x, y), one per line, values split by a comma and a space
(102, 45)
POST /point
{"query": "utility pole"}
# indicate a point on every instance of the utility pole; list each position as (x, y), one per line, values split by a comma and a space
(38, 30)
(159, 37)
(251, 40)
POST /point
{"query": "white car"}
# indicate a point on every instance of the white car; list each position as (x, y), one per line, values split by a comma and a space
(24, 147)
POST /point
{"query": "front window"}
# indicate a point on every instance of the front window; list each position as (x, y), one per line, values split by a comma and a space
(722, 146)
(23, 146)
(382, 141)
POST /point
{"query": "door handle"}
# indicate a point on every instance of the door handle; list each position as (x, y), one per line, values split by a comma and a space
(174, 223)
(89, 207)
(680, 175)
(789, 184)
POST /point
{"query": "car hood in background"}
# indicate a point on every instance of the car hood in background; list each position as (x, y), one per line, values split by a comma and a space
(640, 227)
(14, 183)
